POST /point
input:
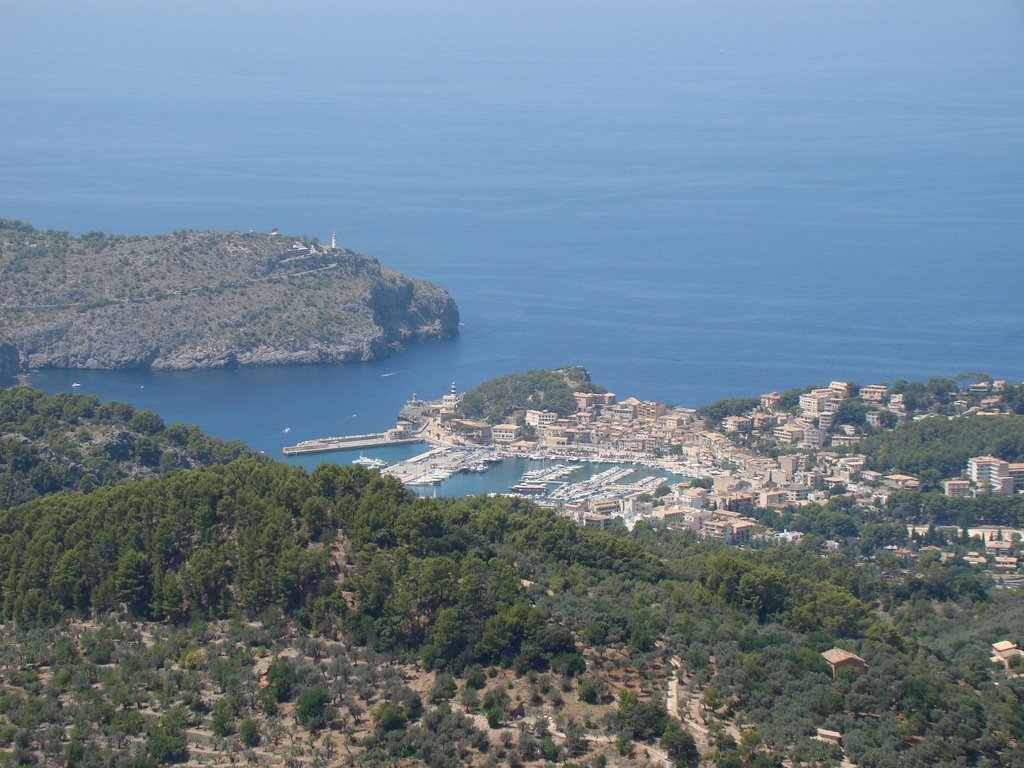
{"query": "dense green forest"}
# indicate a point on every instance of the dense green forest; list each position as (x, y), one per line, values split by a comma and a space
(166, 548)
(496, 400)
(258, 610)
(73, 442)
(937, 447)
(937, 509)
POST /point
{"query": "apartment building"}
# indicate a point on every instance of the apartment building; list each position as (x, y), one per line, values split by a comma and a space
(790, 434)
(957, 488)
(737, 423)
(874, 393)
(990, 473)
(541, 418)
(505, 433)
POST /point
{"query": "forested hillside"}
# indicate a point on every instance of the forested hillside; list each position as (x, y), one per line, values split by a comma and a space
(496, 400)
(448, 587)
(941, 445)
(73, 442)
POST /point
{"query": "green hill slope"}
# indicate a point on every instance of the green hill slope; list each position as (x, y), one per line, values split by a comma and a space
(74, 443)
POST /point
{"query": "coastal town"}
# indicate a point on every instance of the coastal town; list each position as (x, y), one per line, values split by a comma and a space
(717, 471)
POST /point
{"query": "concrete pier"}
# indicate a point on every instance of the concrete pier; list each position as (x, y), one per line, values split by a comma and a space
(438, 464)
(325, 444)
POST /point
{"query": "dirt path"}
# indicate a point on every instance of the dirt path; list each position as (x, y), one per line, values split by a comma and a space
(694, 721)
(672, 694)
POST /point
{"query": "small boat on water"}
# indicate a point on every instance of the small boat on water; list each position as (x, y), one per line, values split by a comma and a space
(370, 462)
(75, 384)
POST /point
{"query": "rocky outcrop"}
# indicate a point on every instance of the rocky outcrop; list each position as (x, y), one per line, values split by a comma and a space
(205, 300)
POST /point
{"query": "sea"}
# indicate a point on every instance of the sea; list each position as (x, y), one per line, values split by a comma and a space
(693, 199)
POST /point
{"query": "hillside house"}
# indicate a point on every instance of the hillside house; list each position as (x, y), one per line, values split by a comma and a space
(839, 659)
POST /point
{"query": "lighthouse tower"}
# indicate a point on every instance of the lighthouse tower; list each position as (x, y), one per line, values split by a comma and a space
(334, 241)
(450, 401)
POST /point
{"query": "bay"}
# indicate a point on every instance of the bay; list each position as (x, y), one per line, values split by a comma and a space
(694, 199)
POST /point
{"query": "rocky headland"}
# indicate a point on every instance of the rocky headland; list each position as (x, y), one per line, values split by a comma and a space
(192, 300)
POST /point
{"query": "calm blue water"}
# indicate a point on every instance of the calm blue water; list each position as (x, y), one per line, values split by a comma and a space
(693, 199)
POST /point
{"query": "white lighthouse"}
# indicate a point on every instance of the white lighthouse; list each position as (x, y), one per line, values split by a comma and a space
(451, 400)
(334, 240)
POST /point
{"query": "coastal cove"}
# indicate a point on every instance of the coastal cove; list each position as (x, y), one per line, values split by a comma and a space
(245, 404)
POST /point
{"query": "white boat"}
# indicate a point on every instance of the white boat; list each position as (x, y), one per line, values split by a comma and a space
(75, 384)
(369, 462)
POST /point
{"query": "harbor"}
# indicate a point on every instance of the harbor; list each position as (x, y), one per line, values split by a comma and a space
(444, 471)
(432, 451)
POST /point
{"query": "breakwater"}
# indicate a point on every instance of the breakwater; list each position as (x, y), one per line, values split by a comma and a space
(325, 444)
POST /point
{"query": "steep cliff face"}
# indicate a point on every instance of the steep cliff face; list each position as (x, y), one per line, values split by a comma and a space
(411, 309)
(8, 362)
(205, 300)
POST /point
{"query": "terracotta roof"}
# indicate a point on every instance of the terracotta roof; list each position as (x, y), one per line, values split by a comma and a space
(838, 655)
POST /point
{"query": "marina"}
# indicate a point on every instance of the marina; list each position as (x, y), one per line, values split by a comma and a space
(444, 471)
(606, 484)
(438, 464)
(546, 486)
(550, 474)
